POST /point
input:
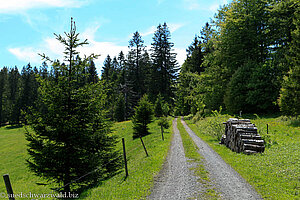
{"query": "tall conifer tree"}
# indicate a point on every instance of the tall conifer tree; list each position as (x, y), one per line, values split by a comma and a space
(71, 137)
(137, 66)
(164, 64)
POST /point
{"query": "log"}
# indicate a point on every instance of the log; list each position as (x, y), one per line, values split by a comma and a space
(255, 142)
(248, 152)
(254, 147)
(250, 136)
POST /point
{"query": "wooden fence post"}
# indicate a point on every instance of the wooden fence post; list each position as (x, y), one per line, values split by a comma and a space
(162, 132)
(144, 146)
(267, 128)
(124, 154)
(9, 189)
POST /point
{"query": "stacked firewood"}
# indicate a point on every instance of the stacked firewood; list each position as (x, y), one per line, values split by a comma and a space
(241, 136)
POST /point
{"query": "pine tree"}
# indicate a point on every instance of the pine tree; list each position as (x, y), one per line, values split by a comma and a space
(14, 78)
(164, 64)
(158, 106)
(3, 95)
(29, 87)
(43, 72)
(137, 65)
(236, 93)
(206, 35)
(125, 86)
(193, 62)
(115, 71)
(122, 79)
(120, 109)
(72, 136)
(142, 117)
(107, 69)
(92, 72)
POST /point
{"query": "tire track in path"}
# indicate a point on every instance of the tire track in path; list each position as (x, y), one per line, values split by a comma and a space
(175, 181)
(228, 182)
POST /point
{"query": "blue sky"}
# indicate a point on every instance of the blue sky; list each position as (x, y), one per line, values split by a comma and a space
(27, 26)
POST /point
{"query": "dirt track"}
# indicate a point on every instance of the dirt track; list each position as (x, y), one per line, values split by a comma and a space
(228, 182)
(176, 180)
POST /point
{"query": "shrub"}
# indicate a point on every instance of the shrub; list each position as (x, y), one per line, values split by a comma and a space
(163, 121)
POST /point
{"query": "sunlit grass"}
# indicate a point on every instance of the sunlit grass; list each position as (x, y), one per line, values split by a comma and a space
(142, 169)
(13, 156)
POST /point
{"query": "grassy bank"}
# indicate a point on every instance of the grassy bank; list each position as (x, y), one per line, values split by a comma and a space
(274, 173)
(142, 169)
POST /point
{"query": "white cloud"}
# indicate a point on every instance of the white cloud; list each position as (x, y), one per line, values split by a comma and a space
(8, 6)
(89, 33)
(102, 49)
(149, 31)
(52, 46)
(181, 55)
(174, 27)
(97, 47)
(27, 54)
(54, 49)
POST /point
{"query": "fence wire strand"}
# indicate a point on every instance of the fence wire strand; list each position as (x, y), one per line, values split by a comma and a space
(93, 171)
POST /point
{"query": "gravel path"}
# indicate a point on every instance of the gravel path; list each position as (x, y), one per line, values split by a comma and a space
(175, 180)
(228, 182)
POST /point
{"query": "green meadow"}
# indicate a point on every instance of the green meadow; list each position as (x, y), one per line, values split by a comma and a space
(142, 169)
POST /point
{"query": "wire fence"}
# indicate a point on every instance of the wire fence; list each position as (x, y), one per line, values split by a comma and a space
(93, 171)
(58, 189)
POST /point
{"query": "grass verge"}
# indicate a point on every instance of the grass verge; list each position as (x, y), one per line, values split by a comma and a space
(275, 174)
(142, 169)
(191, 152)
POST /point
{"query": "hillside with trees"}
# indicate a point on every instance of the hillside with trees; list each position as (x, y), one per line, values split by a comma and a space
(245, 60)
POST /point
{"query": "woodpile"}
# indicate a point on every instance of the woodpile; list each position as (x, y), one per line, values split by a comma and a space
(241, 136)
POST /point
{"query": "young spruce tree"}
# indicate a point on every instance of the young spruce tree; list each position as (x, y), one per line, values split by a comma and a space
(70, 138)
(142, 117)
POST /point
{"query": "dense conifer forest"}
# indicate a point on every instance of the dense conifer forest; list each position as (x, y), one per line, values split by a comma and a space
(245, 59)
